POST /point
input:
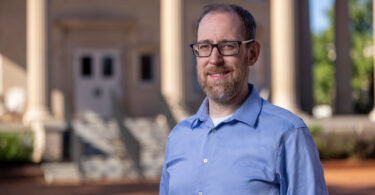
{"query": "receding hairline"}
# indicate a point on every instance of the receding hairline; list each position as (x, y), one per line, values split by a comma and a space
(228, 10)
(247, 20)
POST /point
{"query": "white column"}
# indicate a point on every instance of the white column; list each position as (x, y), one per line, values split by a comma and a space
(171, 50)
(36, 62)
(343, 73)
(171, 59)
(283, 60)
(372, 113)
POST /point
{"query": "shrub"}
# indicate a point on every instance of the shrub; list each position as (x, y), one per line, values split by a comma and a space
(16, 147)
(338, 145)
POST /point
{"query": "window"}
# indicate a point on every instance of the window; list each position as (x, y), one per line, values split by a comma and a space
(86, 66)
(146, 68)
(107, 67)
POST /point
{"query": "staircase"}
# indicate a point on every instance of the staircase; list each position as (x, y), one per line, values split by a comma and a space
(105, 155)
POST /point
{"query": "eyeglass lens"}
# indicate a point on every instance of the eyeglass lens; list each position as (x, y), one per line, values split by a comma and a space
(225, 48)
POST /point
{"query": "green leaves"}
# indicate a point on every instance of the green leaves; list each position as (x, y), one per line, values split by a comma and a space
(361, 55)
(323, 71)
(15, 147)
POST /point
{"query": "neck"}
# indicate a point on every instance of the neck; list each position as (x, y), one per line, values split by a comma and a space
(217, 109)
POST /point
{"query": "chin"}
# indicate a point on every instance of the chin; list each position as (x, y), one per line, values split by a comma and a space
(221, 94)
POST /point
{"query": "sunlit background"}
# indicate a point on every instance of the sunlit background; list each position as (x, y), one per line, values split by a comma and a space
(89, 89)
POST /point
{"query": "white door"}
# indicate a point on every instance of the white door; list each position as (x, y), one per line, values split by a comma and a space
(97, 77)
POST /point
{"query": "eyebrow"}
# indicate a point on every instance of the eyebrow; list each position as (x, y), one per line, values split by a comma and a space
(204, 41)
(210, 41)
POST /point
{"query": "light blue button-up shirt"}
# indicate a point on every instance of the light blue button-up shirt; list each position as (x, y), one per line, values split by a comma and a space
(260, 149)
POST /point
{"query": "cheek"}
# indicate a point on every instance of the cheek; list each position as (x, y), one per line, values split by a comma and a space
(243, 62)
(234, 62)
(201, 64)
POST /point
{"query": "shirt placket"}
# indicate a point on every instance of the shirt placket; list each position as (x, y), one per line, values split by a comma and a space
(205, 159)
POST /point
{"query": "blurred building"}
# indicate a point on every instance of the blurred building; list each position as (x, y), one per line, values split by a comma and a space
(65, 57)
(91, 48)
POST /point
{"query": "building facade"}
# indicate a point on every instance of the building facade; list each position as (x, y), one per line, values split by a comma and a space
(60, 57)
(94, 49)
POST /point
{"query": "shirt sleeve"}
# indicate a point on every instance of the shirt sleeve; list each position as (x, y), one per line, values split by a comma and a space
(300, 169)
(164, 180)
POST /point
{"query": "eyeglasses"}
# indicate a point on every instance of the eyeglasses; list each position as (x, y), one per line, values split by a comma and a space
(225, 48)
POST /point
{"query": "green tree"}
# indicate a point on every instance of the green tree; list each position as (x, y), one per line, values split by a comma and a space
(323, 70)
(361, 55)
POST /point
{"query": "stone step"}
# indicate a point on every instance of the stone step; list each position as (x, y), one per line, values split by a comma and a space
(87, 133)
(151, 133)
(109, 168)
(61, 172)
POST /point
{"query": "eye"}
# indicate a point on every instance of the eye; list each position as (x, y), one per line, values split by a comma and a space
(228, 46)
(204, 46)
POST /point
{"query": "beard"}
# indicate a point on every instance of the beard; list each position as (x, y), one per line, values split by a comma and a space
(226, 89)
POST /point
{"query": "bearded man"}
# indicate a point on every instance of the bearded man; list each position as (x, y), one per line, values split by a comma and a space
(237, 143)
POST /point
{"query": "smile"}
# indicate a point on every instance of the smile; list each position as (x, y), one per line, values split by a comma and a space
(218, 76)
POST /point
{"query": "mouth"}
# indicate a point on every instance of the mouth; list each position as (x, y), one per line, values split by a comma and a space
(218, 75)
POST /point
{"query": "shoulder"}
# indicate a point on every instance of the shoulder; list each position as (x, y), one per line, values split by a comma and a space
(179, 137)
(280, 117)
(182, 127)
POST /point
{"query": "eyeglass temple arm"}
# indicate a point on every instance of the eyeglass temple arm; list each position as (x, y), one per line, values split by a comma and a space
(247, 41)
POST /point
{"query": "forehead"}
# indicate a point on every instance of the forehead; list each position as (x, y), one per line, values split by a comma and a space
(218, 26)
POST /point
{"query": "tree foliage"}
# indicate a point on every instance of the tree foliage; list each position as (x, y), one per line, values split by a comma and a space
(361, 55)
(324, 55)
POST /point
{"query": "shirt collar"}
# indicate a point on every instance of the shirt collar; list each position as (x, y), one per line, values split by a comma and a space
(201, 115)
(247, 113)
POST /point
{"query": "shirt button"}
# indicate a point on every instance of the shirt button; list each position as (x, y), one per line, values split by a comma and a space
(200, 193)
(205, 160)
(214, 130)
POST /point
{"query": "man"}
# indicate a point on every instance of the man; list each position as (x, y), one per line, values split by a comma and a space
(237, 143)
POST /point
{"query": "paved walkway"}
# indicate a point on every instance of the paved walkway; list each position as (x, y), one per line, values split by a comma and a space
(350, 177)
(342, 177)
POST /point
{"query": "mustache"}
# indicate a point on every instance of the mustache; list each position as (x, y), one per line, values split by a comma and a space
(218, 69)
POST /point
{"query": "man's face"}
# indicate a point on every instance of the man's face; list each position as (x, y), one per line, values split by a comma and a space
(222, 77)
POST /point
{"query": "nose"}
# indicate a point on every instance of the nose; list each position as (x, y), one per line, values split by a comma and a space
(216, 58)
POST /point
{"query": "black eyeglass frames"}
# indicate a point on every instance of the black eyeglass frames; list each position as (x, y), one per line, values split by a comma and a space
(225, 48)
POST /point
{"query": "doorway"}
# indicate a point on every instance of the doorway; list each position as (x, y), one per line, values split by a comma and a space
(97, 79)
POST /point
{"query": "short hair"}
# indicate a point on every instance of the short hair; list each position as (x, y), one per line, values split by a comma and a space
(248, 21)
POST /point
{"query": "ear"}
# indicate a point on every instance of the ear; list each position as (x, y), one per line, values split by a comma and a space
(253, 52)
